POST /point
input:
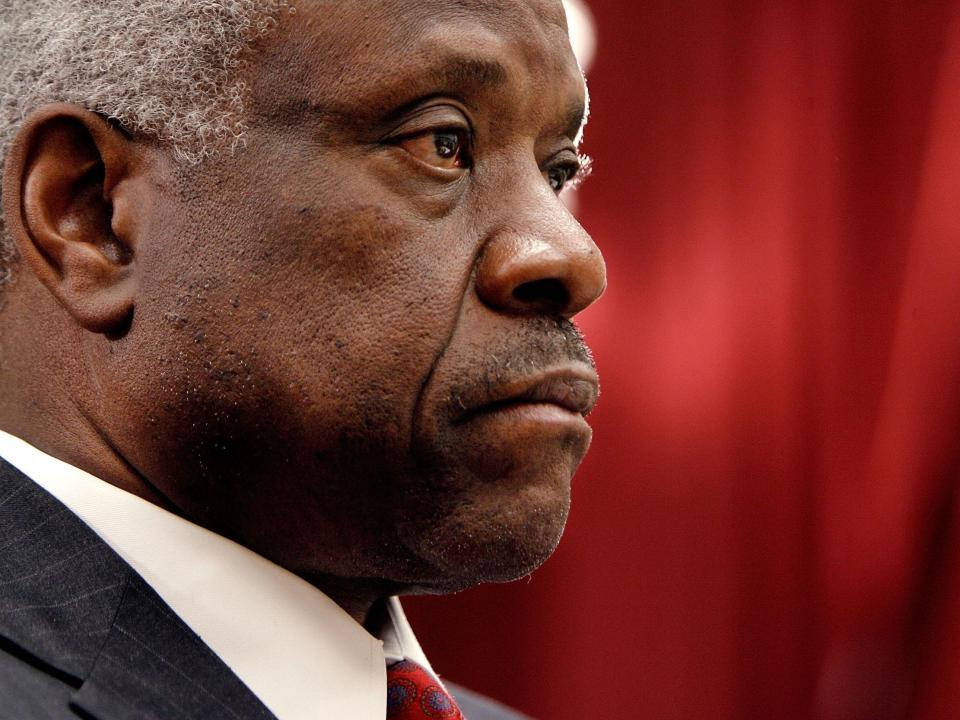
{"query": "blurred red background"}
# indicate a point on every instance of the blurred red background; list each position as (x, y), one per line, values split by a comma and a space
(766, 523)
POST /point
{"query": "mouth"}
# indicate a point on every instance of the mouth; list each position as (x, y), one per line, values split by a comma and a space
(572, 389)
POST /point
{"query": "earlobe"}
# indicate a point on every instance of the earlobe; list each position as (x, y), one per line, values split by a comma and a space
(64, 178)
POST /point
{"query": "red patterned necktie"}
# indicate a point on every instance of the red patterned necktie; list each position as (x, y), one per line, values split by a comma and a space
(413, 694)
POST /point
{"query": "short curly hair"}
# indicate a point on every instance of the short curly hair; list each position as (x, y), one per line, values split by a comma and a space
(166, 69)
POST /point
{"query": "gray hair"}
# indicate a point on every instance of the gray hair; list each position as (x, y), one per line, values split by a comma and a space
(166, 69)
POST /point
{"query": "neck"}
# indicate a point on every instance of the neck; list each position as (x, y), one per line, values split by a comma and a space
(42, 386)
(39, 404)
(358, 597)
(77, 441)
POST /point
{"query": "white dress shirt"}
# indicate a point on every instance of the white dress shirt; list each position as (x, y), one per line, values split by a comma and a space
(296, 649)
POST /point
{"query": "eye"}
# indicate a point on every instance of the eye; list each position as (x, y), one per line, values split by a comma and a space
(444, 149)
(570, 172)
(560, 175)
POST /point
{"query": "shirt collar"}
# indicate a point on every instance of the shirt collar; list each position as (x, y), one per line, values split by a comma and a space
(295, 648)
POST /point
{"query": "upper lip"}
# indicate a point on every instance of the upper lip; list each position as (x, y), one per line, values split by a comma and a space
(573, 387)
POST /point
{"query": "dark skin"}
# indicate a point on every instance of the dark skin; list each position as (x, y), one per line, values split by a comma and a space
(347, 346)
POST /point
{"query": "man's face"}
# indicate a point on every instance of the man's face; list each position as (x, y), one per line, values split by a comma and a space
(352, 348)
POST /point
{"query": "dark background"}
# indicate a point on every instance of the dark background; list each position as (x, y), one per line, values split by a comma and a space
(765, 525)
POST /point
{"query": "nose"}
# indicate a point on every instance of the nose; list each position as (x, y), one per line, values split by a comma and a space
(544, 264)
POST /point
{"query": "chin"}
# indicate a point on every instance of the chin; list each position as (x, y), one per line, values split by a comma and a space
(498, 532)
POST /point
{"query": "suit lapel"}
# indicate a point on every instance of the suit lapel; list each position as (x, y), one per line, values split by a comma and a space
(151, 655)
(74, 608)
(59, 583)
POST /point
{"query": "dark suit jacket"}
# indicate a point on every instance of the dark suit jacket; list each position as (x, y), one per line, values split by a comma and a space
(82, 635)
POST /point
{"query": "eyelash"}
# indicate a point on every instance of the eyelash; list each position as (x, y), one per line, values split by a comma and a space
(575, 173)
(584, 170)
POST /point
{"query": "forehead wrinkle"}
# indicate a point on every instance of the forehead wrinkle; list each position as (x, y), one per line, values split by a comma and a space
(332, 50)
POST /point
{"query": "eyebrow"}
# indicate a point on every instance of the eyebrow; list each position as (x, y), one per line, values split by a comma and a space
(458, 71)
(451, 72)
(448, 74)
(576, 115)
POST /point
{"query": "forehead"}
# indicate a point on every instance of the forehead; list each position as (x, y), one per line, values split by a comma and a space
(347, 56)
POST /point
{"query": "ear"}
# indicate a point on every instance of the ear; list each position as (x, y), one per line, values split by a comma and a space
(67, 207)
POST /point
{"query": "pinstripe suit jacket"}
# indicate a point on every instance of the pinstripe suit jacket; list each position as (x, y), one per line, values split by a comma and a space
(82, 635)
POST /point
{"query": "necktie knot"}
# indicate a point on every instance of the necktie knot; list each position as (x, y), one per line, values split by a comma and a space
(413, 694)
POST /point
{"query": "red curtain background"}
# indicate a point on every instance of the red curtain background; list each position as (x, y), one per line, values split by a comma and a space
(766, 525)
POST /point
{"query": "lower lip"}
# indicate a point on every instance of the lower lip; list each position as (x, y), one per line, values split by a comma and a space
(540, 413)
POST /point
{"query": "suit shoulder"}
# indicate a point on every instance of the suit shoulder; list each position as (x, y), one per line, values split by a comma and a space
(477, 707)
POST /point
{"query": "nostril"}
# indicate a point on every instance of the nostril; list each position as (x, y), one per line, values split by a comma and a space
(546, 295)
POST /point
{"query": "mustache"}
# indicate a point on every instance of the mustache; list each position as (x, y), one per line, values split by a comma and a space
(542, 343)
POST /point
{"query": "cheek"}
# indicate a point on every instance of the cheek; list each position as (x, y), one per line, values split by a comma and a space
(378, 309)
(339, 301)
(368, 290)
(311, 311)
